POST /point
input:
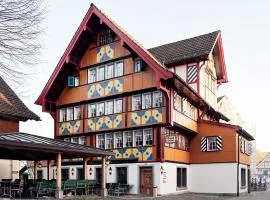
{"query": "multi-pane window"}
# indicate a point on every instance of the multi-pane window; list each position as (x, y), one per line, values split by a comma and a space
(109, 141)
(181, 177)
(212, 144)
(147, 137)
(101, 141)
(118, 104)
(105, 108)
(243, 177)
(82, 140)
(100, 109)
(70, 113)
(119, 69)
(91, 110)
(136, 102)
(146, 100)
(138, 138)
(118, 140)
(127, 139)
(74, 140)
(63, 115)
(91, 75)
(108, 71)
(100, 73)
(108, 107)
(77, 112)
(105, 38)
(157, 99)
(138, 65)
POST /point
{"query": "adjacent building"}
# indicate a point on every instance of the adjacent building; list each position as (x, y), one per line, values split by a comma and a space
(262, 172)
(12, 111)
(156, 109)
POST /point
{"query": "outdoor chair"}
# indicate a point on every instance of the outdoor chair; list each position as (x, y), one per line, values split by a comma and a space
(81, 186)
(17, 188)
(118, 190)
(70, 186)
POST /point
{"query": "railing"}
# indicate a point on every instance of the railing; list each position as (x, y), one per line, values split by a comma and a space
(185, 121)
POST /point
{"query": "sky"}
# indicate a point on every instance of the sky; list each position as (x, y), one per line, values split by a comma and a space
(245, 29)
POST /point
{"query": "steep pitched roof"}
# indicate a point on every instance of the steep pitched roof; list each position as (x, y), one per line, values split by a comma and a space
(126, 38)
(261, 156)
(185, 50)
(11, 107)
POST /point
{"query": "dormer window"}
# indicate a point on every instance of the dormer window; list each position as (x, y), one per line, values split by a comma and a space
(105, 38)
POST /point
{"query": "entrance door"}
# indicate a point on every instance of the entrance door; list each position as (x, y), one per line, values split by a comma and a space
(146, 181)
(98, 175)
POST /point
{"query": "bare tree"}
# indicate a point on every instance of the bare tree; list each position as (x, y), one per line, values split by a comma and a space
(20, 29)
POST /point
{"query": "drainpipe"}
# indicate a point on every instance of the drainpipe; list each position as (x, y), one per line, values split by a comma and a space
(238, 156)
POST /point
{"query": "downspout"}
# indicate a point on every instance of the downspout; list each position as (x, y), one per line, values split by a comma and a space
(238, 157)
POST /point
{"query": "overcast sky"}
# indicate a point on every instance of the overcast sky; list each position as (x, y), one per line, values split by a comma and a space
(245, 28)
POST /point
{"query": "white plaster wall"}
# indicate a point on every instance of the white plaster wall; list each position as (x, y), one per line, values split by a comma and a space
(9, 169)
(168, 180)
(181, 71)
(213, 178)
(193, 86)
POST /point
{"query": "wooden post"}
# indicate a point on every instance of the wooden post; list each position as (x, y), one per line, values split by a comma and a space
(48, 170)
(103, 181)
(59, 192)
(35, 170)
(85, 168)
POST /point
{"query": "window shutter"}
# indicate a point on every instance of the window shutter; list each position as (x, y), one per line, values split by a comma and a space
(204, 144)
(192, 74)
(71, 81)
(219, 143)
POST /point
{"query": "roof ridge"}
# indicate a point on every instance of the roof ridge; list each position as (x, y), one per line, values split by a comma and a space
(217, 31)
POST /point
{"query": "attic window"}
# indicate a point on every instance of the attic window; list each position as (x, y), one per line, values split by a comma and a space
(105, 38)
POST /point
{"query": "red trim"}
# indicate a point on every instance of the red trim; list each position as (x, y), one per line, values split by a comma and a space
(164, 73)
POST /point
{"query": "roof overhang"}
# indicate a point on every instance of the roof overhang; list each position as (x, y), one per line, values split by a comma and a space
(23, 146)
(161, 71)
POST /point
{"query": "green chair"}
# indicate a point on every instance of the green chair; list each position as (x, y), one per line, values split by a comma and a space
(70, 186)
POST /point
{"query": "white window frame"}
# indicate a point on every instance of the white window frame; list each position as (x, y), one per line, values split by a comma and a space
(100, 73)
(92, 77)
(118, 140)
(109, 107)
(109, 137)
(70, 113)
(146, 133)
(119, 68)
(139, 102)
(118, 107)
(67, 139)
(77, 112)
(82, 140)
(138, 65)
(125, 140)
(146, 100)
(74, 140)
(100, 141)
(211, 143)
(138, 134)
(90, 113)
(76, 81)
(62, 115)
(157, 99)
(98, 107)
(109, 71)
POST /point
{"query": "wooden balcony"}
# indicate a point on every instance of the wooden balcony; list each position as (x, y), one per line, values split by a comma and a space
(185, 121)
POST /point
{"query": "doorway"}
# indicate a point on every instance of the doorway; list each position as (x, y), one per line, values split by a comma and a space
(146, 181)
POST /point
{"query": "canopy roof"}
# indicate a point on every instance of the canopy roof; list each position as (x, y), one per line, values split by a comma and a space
(23, 146)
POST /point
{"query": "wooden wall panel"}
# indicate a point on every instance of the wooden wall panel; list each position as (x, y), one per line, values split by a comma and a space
(228, 153)
(176, 155)
(7, 126)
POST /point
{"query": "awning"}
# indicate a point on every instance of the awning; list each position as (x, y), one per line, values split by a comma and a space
(24, 146)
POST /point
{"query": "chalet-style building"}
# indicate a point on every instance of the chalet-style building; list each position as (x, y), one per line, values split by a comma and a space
(12, 111)
(262, 172)
(156, 109)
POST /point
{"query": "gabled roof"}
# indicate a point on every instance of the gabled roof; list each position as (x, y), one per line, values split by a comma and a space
(162, 71)
(261, 157)
(11, 107)
(220, 98)
(191, 50)
(185, 50)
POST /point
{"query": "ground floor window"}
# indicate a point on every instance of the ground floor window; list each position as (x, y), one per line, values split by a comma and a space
(39, 174)
(98, 175)
(80, 174)
(243, 177)
(181, 177)
(122, 175)
(65, 174)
